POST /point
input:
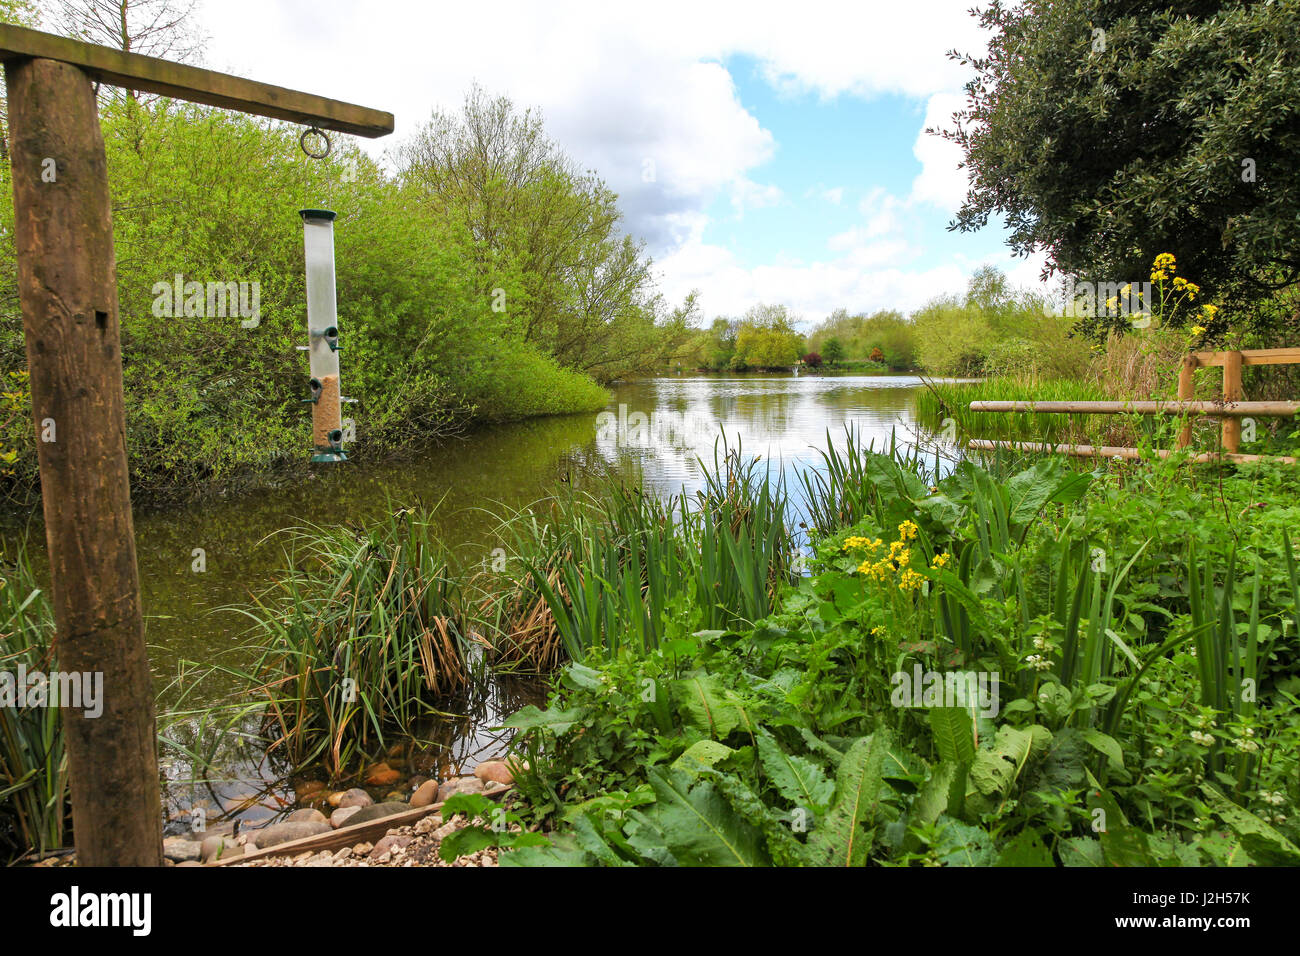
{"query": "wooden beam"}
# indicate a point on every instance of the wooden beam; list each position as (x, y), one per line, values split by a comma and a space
(1251, 357)
(67, 285)
(1113, 451)
(1216, 409)
(1186, 392)
(1232, 393)
(152, 75)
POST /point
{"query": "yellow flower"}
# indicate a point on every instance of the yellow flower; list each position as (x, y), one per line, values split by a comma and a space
(1158, 275)
(877, 631)
(1209, 311)
(1198, 330)
(910, 581)
(1165, 260)
(907, 530)
(940, 560)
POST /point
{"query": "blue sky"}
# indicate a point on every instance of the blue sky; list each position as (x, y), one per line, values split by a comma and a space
(787, 159)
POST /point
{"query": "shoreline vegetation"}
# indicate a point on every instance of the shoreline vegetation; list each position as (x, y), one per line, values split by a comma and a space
(914, 655)
(703, 662)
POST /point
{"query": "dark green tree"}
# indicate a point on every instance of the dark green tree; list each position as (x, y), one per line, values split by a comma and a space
(833, 351)
(1105, 132)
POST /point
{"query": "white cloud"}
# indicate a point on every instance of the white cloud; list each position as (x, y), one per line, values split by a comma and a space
(747, 194)
(940, 181)
(630, 89)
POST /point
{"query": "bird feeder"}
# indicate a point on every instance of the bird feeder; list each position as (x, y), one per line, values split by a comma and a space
(323, 336)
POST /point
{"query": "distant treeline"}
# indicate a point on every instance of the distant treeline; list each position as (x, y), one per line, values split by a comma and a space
(992, 329)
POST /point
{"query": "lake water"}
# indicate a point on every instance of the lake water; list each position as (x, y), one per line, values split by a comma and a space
(658, 428)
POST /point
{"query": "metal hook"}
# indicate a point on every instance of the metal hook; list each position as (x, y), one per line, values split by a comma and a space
(302, 142)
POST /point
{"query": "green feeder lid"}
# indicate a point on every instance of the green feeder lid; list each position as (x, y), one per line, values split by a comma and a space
(310, 214)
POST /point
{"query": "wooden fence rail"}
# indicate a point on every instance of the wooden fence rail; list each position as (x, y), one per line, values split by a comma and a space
(1231, 409)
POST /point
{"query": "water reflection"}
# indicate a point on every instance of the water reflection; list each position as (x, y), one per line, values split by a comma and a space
(783, 418)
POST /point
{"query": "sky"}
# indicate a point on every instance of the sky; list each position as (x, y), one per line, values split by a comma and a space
(764, 152)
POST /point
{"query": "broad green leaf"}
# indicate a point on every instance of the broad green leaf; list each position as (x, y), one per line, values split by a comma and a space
(702, 753)
(797, 779)
(1266, 844)
(940, 794)
(1121, 844)
(700, 827)
(839, 839)
(557, 720)
(1107, 746)
(954, 734)
(1081, 851)
(1025, 849)
(704, 705)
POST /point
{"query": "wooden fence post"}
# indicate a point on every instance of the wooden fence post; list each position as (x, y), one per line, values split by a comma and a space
(1186, 392)
(67, 283)
(1231, 393)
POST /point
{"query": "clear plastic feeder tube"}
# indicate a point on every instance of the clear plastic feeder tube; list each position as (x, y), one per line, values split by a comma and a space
(322, 329)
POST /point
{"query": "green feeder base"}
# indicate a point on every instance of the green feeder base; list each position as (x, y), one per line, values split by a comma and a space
(325, 455)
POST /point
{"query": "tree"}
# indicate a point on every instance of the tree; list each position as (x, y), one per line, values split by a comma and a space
(549, 246)
(834, 351)
(161, 28)
(1105, 132)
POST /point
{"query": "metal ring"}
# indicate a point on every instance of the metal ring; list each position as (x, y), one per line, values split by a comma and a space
(302, 142)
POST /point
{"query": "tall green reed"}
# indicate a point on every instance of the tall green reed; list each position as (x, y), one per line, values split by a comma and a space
(34, 809)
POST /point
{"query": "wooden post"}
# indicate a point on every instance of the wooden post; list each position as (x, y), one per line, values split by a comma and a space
(1186, 390)
(67, 282)
(1231, 393)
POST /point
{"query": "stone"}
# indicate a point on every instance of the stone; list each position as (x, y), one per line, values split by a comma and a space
(428, 824)
(311, 791)
(425, 794)
(278, 833)
(493, 786)
(212, 849)
(186, 863)
(306, 815)
(381, 775)
(395, 796)
(361, 849)
(356, 797)
(182, 849)
(389, 844)
(377, 812)
(459, 785)
(494, 771)
(340, 817)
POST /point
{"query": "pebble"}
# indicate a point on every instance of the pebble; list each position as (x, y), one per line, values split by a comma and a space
(495, 771)
(425, 794)
(306, 815)
(340, 816)
(459, 785)
(381, 775)
(278, 833)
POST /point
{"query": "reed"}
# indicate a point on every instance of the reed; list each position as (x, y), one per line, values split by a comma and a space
(363, 635)
(35, 813)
